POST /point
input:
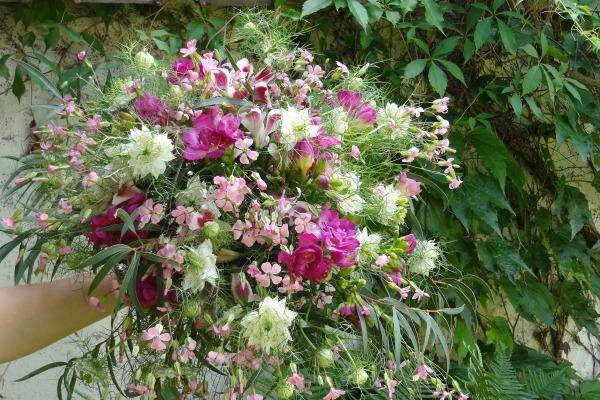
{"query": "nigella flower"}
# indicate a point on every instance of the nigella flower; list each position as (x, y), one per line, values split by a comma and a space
(148, 152)
(268, 328)
(423, 259)
(151, 109)
(395, 119)
(213, 133)
(200, 267)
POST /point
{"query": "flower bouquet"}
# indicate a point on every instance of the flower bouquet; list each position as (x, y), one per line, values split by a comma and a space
(251, 213)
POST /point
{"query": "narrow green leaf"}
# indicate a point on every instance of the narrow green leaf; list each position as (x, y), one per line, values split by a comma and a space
(18, 86)
(397, 337)
(414, 68)
(312, 6)
(108, 266)
(104, 254)
(42, 369)
(3, 68)
(446, 46)
(8, 247)
(130, 276)
(217, 101)
(454, 70)
(34, 72)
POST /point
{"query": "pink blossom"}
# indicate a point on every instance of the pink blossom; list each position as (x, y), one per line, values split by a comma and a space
(64, 250)
(158, 339)
(57, 130)
(152, 110)
(180, 213)
(89, 180)
(260, 183)
(455, 183)
(307, 260)
(404, 292)
(412, 153)
(94, 124)
(9, 222)
(355, 152)
(443, 394)
(42, 219)
(255, 396)
(307, 55)
(382, 260)
(411, 240)
(422, 372)
(419, 293)
(230, 193)
(303, 156)
(463, 396)
(52, 169)
(81, 55)
(270, 274)
(186, 354)
(189, 49)
(224, 330)
(242, 291)
(211, 135)
(242, 150)
(409, 186)
(245, 231)
(94, 302)
(339, 237)
(334, 394)
(297, 381)
(342, 68)
(216, 358)
(150, 212)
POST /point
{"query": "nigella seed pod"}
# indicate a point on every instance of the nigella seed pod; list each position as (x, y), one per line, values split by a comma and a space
(325, 357)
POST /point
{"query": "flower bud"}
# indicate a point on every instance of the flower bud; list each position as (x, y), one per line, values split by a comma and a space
(303, 156)
(144, 60)
(150, 379)
(242, 291)
(191, 309)
(285, 391)
(325, 357)
(211, 229)
(360, 377)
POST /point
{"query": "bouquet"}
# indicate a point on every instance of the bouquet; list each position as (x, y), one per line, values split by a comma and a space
(252, 212)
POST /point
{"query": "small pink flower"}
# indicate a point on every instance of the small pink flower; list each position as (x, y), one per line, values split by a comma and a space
(260, 183)
(94, 302)
(355, 152)
(81, 55)
(418, 294)
(334, 394)
(290, 285)
(242, 150)
(63, 251)
(65, 206)
(150, 212)
(180, 214)
(342, 68)
(270, 274)
(404, 292)
(224, 330)
(297, 381)
(189, 49)
(443, 394)
(93, 124)
(230, 193)
(158, 339)
(455, 183)
(52, 169)
(42, 219)
(42, 261)
(463, 396)
(412, 153)
(216, 358)
(255, 396)
(90, 179)
(422, 372)
(409, 186)
(245, 231)
(9, 222)
(382, 260)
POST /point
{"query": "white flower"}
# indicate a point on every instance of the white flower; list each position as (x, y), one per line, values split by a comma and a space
(269, 327)
(388, 199)
(369, 245)
(200, 267)
(423, 258)
(345, 192)
(395, 118)
(148, 152)
(200, 196)
(295, 126)
(339, 120)
(352, 204)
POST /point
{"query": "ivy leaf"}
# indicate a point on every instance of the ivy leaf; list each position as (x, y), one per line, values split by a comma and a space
(437, 79)
(575, 302)
(580, 139)
(532, 300)
(359, 12)
(18, 87)
(433, 14)
(568, 248)
(516, 104)
(454, 70)
(414, 68)
(507, 36)
(312, 6)
(532, 79)
(572, 202)
(483, 29)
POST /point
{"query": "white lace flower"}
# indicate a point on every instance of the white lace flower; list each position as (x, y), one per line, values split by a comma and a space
(148, 152)
(345, 192)
(369, 245)
(423, 258)
(295, 126)
(388, 205)
(339, 120)
(269, 327)
(200, 267)
(395, 119)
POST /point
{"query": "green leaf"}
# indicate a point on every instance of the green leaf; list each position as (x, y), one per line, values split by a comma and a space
(499, 334)
(103, 255)
(532, 79)
(574, 300)
(468, 49)
(532, 300)
(483, 29)
(18, 86)
(51, 38)
(516, 104)
(530, 50)
(454, 70)
(500, 257)
(3, 68)
(414, 68)
(195, 30)
(108, 266)
(359, 12)
(42, 369)
(130, 277)
(577, 136)
(437, 79)
(312, 6)
(590, 390)
(446, 46)
(572, 202)
(433, 14)
(494, 155)
(507, 36)
(34, 72)
(392, 16)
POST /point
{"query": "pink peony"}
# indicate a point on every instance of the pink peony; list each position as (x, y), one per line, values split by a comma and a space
(213, 133)
(339, 237)
(307, 261)
(151, 109)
